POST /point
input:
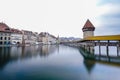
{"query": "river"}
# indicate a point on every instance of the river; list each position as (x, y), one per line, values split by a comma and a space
(52, 62)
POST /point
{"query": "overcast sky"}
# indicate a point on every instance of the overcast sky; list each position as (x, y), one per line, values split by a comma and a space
(62, 17)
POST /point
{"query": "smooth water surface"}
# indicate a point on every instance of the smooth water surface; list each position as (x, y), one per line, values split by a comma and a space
(52, 62)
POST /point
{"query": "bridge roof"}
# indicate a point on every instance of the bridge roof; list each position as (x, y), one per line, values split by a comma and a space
(108, 37)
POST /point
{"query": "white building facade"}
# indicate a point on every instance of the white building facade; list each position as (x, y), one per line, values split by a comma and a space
(47, 38)
(16, 37)
(5, 34)
(29, 37)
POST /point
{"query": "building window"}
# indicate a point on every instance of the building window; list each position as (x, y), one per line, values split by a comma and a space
(9, 42)
(1, 38)
(0, 42)
(5, 42)
(5, 38)
(8, 38)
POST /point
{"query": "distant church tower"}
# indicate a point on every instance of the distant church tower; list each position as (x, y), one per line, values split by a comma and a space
(88, 29)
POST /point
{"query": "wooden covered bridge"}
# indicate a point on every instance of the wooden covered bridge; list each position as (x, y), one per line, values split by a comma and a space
(88, 44)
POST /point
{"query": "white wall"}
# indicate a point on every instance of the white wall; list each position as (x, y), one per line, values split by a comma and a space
(88, 34)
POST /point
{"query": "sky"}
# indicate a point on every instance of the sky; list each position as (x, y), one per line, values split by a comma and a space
(62, 17)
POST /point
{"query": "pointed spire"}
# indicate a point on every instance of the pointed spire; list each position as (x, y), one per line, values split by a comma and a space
(88, 26)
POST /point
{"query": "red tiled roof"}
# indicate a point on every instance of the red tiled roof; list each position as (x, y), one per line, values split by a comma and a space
(4, 27)
(16, 31)
(43, 34)
(27, 32)
(88, 24)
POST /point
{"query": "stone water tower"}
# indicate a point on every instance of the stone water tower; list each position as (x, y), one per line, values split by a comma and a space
(88, 29)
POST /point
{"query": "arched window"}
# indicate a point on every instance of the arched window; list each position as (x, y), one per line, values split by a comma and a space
(8, 38)
(1, 38)
(5, 42)
(0, 42)
(5, 38)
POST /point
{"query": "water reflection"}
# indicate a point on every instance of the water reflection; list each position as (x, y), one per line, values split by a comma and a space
(47, 50)
(89, 65)
(4, 56)
(103, 55)
(14, 53)
(53, 63)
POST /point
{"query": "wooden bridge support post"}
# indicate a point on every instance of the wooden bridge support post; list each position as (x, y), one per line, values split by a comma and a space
(89, 49)
(99, 48)
(118, 48)
(85, 48)
(107, 48)
(92, 49)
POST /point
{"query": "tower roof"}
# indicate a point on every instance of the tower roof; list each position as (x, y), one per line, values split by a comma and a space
(88, 26)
